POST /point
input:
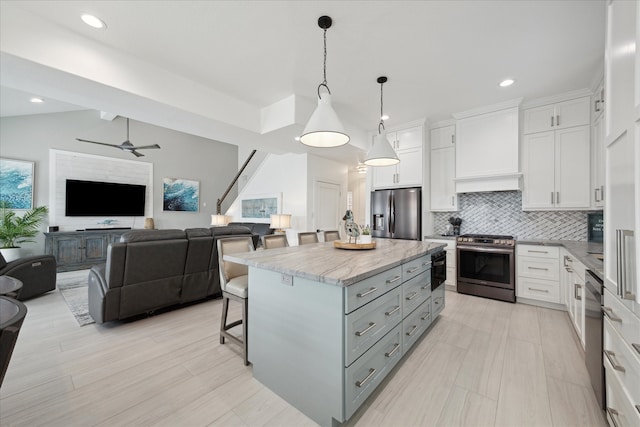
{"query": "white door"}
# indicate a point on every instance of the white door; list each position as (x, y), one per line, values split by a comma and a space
(327, 206)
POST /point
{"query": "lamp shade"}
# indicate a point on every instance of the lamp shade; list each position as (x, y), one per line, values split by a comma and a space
(218, 220)
(280, 221)
(381, 152)
(324, 128)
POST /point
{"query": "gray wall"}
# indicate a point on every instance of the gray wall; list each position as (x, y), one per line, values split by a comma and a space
(212, 163)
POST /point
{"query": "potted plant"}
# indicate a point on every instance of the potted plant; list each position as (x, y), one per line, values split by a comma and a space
(15, 229)
(366, 234)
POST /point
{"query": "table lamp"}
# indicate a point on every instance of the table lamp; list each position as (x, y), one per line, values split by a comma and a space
(280, 222)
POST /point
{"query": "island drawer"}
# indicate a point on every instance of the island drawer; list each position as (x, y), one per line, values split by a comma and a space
(371, 288)
(437, 301)
(414, 325)
(368, 324)
(362, 377)
(411, 269)
(621, 358)
(622, 320)
(621, 411)
(415, 291)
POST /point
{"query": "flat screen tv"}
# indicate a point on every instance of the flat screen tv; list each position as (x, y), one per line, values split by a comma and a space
(93, 198)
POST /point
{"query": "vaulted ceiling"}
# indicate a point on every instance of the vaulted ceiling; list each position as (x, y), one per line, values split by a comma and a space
(246, 72)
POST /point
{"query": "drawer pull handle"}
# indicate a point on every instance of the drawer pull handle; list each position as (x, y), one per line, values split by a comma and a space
(629, 296)
(609, 312)
(370, 327)
(412, 331)
(425, 315)
(412, 269)
(396, 347)
(539, 290)
(636, 347)
(411, 296)
(366, 379)
(437, 301)
(426, 263)
(395, 310)
(364, 294)
(538, 268)
(614, 416)
(427, 286)
(611, 356)
(395, 279)
(537, 252)
(570, 270)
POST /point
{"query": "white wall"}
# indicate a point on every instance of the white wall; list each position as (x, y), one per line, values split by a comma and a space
(321, 169)
(212, 163)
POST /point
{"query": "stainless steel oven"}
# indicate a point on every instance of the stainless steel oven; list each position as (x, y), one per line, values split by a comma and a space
(486, 266)
(438, 269)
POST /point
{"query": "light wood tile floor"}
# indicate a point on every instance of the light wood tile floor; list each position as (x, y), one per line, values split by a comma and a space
(484, 363)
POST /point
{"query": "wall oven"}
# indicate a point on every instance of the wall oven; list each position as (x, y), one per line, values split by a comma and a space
(438, 269)
(486, 266)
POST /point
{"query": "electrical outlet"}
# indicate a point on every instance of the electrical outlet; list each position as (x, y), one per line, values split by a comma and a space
(287, 279)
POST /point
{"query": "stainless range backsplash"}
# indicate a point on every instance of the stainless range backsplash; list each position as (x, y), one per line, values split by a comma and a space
(501, 213)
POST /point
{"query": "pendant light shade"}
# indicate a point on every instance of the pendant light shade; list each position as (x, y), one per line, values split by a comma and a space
(324, 129)
(381, 152)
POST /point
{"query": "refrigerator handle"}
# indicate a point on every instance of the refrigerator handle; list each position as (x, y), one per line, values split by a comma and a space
(392, 218)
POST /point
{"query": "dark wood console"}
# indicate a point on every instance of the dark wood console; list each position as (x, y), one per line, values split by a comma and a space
(78, 250)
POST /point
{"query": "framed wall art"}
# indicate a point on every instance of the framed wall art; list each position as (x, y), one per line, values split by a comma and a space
(180, 195)
(16, 183)
(260, 206)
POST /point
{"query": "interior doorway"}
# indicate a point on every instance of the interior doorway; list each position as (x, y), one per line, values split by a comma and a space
(327, 206)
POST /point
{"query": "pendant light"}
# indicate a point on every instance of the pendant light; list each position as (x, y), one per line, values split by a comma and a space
(381, 152)
(324, 128)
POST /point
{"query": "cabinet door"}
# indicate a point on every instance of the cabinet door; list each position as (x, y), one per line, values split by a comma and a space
(384, 176)
(572, 168)
(443, 137)
(538, 170)
(597, 163)
(575, 112)
(410, 167)
(443, 188)
(409, 138)
(539, 119)
(95, 247)
(578, 307)
(67, 250)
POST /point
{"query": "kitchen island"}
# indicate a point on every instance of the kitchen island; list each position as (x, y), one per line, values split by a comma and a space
(327, 325)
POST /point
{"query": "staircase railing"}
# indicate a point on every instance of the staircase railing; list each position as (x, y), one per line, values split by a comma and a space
(226, 193)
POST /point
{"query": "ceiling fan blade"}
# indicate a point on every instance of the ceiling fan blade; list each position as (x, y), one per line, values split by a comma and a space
(145, 146)
(96, 142)
(135, 153)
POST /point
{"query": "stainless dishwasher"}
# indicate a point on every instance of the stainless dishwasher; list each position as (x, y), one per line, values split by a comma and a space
(593, 334)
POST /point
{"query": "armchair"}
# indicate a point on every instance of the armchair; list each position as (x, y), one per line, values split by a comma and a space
(37, 274)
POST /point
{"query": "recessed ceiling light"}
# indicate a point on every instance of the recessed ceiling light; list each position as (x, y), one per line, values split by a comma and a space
(37, 100)
(384, 117)
(506, 82)
(93, 21)
(297, 138)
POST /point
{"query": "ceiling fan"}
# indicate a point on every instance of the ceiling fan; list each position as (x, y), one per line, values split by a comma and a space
(125, 146)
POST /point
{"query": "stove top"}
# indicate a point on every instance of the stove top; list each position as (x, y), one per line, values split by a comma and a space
(487, 239)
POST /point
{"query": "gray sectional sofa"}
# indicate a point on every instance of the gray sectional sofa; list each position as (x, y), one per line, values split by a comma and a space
(152, 269)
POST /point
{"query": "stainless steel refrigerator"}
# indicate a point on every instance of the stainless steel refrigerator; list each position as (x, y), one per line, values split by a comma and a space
(396, 214)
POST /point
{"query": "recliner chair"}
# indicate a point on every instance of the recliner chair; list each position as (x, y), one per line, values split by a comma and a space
(37, 274)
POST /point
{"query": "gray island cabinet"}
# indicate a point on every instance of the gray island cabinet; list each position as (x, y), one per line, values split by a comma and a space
(327, 325)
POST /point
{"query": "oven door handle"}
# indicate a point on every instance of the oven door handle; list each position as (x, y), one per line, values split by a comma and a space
(485, 249)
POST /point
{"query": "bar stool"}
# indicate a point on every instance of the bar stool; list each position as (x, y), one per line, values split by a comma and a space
(331, 235)
(307, 237)
(234, 280)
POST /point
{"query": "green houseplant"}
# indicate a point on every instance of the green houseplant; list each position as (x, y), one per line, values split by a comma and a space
(15, 229)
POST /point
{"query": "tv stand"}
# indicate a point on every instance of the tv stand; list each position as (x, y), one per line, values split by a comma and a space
(107, 228)
(79, 250)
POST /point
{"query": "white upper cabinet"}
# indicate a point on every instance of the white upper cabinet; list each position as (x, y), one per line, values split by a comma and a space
(443, 167)
(597, 163)
(407, 143)
(561, 115)
(556, 169)
(597, 102)
(443, 137)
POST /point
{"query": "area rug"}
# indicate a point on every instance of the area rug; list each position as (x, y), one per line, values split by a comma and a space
(73, 287)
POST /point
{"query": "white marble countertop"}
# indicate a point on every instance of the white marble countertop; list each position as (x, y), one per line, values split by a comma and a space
(322, 262)
(583, 251)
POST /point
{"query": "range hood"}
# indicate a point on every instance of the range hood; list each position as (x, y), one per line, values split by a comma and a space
(487, 149)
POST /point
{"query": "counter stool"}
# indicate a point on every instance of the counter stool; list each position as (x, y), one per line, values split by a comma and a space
(307, 237)
(331, 235)
(272, 241)
(234, 280)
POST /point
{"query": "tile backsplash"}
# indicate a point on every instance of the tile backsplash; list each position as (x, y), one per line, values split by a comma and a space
(501, 213)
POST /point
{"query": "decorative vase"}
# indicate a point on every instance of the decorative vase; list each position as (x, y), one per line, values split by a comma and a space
(365, 238)
(10, 254)
(148, 223)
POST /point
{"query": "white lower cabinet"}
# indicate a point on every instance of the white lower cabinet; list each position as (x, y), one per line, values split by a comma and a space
(577, 299)
(538, 270)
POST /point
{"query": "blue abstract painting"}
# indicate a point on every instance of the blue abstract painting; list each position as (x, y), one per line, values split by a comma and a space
(16, 183)
(180, 195)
